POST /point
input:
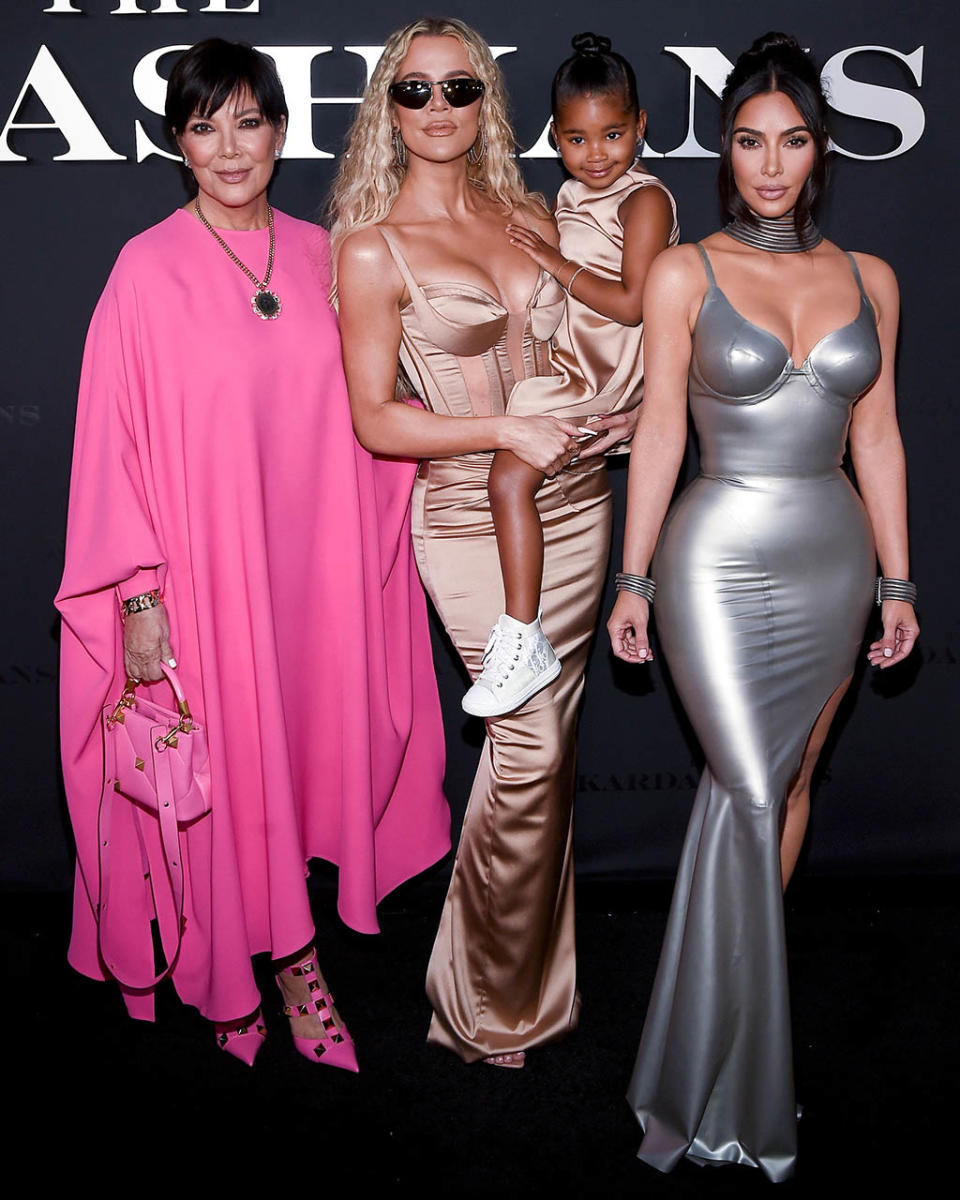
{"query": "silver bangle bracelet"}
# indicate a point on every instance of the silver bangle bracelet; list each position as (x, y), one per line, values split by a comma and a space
(640, 585)
(895, 589)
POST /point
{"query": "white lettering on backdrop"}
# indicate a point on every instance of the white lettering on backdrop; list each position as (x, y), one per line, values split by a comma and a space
(704, 64)
(127, 8)
(875, 103)
(85, 142)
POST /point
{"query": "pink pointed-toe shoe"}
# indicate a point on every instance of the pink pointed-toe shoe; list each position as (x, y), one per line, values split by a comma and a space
(244, 1040)
(335, 1047)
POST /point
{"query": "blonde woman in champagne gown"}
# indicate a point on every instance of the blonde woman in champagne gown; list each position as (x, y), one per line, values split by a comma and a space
(427, 275)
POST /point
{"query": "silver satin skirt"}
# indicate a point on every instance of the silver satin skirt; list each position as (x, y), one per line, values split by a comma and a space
(764, 588)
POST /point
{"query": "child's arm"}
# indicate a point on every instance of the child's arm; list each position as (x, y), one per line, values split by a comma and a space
(647, 220)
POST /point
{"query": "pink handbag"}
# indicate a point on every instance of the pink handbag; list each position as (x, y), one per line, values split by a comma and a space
(156, 760)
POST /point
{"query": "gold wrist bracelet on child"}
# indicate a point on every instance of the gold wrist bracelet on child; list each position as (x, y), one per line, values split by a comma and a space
(569, 284)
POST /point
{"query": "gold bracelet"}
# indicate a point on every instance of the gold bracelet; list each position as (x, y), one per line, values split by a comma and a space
(135, 604)
(569, 283)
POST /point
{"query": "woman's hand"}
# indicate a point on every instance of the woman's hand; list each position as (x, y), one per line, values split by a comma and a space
(611, 430)
(532, 244)
(900, 630)
(146, 641)
(546, 443)
(628, 628)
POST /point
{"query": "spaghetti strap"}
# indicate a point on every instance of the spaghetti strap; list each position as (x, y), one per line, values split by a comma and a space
(412, 286)
(711, 278)
(856, 274)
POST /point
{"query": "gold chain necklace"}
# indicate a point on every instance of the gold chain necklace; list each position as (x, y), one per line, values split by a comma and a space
(264, 303)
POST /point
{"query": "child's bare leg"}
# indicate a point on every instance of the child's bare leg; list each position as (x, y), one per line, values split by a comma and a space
(518, 661)
(513, 486)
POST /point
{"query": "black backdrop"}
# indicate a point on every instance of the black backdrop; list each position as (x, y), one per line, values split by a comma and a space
(72, 195)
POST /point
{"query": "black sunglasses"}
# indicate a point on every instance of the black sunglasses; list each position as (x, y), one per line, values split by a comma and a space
(416, 93)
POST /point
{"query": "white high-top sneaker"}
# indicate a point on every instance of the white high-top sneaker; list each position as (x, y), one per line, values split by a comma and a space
(517, 663)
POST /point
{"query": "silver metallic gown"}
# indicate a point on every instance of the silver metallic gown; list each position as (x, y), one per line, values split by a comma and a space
(764, 572)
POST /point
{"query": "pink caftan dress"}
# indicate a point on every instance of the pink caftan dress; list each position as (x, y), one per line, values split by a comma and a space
(215, 458)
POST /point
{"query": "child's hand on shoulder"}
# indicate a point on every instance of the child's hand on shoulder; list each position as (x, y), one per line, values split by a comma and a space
(532, 244)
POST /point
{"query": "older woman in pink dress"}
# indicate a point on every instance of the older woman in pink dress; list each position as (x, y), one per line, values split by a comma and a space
(222, 511)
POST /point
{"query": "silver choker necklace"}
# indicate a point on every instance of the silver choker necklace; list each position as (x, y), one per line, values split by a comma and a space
(777, 234)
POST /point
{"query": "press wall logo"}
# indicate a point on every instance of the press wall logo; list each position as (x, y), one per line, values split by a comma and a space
(68, 107)
(158, 8)
(683, 780)
(19, 416)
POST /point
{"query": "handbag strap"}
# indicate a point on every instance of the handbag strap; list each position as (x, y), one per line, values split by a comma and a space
(174, 680)
(173, 861)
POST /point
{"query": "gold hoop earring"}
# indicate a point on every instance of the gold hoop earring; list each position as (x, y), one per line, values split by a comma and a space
(477, 152)
(399, 149)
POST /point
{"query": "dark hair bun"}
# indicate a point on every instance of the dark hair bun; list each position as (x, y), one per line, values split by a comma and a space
(593, 69)
(590, 43)
(773, 41)
(778, 51)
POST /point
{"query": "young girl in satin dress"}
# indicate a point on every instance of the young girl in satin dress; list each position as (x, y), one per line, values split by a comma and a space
(614, 218)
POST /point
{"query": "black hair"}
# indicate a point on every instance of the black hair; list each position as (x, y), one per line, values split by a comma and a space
(209, 73)
(594, 70)
(775, 62)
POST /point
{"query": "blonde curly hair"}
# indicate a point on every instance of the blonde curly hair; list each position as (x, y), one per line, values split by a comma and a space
(370, 176)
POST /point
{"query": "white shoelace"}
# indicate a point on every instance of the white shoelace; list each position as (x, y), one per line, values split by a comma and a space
(501, 655)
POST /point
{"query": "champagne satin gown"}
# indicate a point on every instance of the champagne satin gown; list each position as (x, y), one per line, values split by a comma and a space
(765, 571)
(502, 975)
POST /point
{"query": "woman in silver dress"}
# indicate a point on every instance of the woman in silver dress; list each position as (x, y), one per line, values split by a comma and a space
(765, 569)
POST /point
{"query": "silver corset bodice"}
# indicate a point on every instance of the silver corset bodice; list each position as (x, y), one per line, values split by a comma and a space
(776, 418)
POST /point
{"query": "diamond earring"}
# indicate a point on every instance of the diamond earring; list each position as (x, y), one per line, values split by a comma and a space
(399, 149)
(478, 150)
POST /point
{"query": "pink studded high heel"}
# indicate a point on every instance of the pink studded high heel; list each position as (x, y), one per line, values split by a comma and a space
(335, 1047)
(244, 1040)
